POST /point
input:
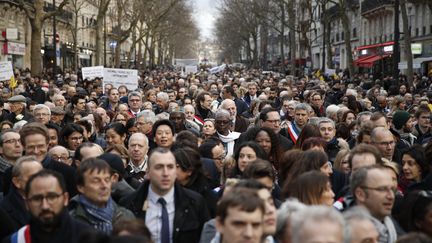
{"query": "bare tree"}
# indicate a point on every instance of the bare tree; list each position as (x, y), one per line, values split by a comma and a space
(407, 42)
(102, 7)
(76, 6)
(35, 12)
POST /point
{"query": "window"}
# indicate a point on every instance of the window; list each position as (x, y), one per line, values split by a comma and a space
(337, 37)
(424, 30)
(82, 18)
(354, 33)
(342, 36)
(417, 32)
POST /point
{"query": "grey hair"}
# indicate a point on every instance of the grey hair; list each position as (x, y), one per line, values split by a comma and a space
(363, 113)
(137, 134)
(356, 213)
(134, 93)
(149, 116)
(326, 120)
(16, 169)
(18, 125)
(303, 106)
(284, 215)
(302, 218)
(162, 95)
(358, 178)
(40, 107)
(331, 109)
(221, 112)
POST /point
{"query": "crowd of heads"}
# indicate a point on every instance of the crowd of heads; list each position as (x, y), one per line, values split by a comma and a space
(243, 155)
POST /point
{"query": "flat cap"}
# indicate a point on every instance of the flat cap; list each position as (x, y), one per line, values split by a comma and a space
(17, 98)
(57, 111)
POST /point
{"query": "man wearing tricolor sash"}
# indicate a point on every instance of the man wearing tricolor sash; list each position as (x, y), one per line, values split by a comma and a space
(301, 117)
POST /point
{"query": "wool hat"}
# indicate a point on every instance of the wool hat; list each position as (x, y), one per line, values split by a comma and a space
(115, 162)
(400, 118)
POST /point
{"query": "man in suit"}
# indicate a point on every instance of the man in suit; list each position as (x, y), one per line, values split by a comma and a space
(172, 213)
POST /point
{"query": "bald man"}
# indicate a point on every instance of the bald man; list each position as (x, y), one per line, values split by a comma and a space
(240, 124)
(60, 154)
(384, 140)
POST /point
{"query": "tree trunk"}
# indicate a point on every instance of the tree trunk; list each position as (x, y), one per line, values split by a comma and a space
(407, 42)
(328, 45)
(117, 51)
(75, 42)
(282, 38)
(102, 9)
(292, 39)
(36, 46)
(347, 29)
(255, 51)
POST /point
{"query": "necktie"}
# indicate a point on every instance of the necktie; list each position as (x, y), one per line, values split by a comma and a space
(165, 233)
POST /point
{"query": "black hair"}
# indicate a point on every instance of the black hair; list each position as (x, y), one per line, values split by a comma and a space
(46, 173)
(163, 122)
(92, 164)
(67, 131)
(119, 128)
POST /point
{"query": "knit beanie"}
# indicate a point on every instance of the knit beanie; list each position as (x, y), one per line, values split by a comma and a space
(400, 118)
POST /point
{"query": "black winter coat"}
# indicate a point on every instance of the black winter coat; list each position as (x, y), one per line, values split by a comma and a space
(190, 211)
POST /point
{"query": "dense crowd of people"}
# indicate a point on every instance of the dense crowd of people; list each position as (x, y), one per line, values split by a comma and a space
(238, 156)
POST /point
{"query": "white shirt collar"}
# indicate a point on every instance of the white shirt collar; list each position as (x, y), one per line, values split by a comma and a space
(154, 197)
(141, 167)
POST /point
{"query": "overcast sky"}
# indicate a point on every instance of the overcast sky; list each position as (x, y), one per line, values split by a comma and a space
(205, 14)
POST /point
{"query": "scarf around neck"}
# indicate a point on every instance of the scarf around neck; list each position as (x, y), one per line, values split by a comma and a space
(100, 218)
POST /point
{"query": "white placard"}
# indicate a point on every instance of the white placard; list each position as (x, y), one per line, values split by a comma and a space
(329, 71)
(117, 77)
(191, 69)
(6, 71)
(92, 72)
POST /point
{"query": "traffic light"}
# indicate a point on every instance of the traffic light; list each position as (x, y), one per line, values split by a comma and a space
(57, 38)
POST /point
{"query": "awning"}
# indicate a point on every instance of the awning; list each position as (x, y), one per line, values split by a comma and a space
(416, 62)
(369, 62)
(375, 45)
(360, 59)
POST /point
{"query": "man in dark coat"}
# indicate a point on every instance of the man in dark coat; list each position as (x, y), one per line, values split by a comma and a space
(14, 202)
(49, 221)
(35, 139)
(18, 110)
(185, 210)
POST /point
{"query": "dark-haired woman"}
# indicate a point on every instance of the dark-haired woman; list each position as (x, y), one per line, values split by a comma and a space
(115, 134)
(71, 136)
(415, 168)
(190, 175)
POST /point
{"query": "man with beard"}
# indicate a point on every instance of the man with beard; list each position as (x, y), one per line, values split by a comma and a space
(46, 200)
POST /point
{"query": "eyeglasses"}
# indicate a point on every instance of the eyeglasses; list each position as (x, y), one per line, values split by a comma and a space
(12, 141)
(59, 158)
(381, 189)
(42, 114)
(50, 198)
(222, 122)
(220, 157)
